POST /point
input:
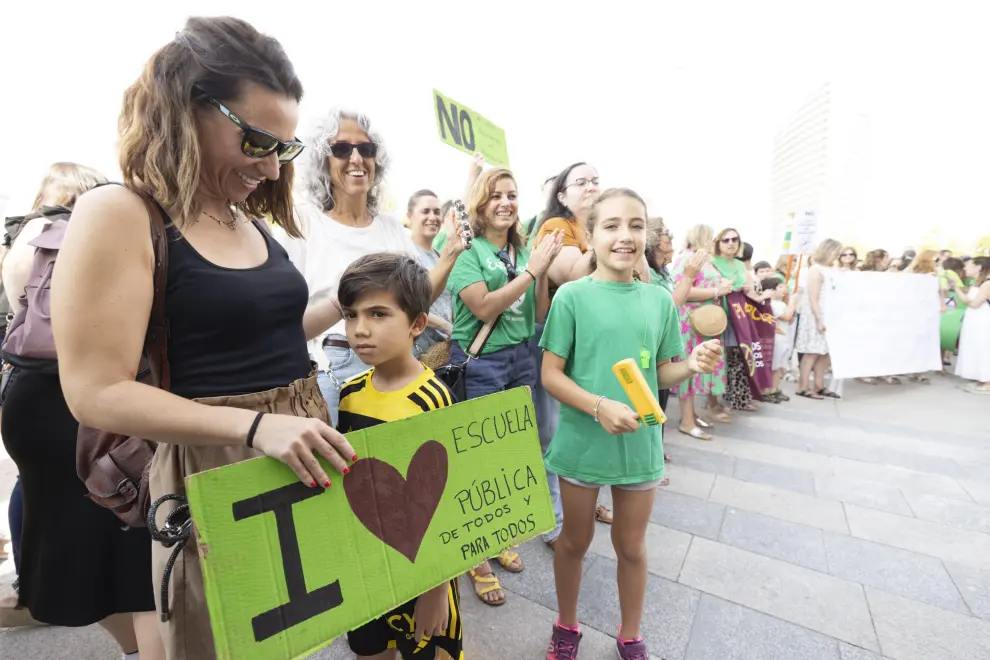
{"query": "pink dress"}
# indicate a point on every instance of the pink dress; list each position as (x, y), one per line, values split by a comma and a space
(708, 278)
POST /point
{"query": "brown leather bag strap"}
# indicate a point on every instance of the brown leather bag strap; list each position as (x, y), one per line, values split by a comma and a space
(156, 341)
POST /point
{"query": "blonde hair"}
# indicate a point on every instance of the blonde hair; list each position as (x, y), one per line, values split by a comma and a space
(699, 237)
(923, 263)
(159, 145)
(826, 252)
(481, 193)
(64, 183)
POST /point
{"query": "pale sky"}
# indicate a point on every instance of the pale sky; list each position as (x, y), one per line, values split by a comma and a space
(679, 101)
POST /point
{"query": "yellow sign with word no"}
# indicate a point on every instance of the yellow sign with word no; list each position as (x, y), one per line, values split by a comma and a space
(466, 130)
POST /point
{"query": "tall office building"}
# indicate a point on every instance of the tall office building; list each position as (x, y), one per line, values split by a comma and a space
(821, 162)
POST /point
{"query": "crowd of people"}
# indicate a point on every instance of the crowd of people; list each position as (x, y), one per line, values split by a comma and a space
(299, 311)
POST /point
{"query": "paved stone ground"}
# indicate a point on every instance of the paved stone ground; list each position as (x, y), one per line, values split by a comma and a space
(816, 530)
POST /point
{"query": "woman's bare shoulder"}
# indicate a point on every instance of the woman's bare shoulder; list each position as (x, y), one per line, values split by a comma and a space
(111, 213)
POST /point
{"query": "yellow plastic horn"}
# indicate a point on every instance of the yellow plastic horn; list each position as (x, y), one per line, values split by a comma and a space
(643, 398)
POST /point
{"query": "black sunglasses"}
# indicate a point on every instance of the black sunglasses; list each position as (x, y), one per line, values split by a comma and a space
(510, 269)
(848, 254)
(731, 239)
(344, 150)
(257, 143)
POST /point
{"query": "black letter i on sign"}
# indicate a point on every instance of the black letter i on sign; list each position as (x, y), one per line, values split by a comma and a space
(302, 605)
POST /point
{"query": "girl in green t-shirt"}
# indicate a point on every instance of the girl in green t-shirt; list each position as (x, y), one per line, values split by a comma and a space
(594, 323)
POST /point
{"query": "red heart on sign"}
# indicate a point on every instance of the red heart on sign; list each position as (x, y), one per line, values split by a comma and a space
(398, 511)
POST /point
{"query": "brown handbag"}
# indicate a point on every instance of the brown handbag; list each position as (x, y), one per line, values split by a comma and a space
(115, 467)
(709, 320)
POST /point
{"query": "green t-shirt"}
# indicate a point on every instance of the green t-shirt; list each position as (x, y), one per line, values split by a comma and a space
(481, 264)
(593, 325)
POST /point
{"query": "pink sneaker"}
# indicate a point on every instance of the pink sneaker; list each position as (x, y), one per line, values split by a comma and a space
(632, 650)
(563, 643)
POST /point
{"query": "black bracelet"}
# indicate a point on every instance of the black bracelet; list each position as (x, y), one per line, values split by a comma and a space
(530, 274)
(254, 429)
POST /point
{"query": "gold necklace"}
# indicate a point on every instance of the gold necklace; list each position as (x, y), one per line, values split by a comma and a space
(229, 224)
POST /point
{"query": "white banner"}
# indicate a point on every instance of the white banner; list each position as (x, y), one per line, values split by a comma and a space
(882, 324)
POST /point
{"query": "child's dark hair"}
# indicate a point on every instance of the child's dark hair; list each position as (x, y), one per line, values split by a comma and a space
(770, 283)
(398, 274)
(760, 265)
(747, 252)
(956, 266)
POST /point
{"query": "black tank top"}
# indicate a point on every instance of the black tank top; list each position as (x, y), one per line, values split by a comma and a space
(234, 331)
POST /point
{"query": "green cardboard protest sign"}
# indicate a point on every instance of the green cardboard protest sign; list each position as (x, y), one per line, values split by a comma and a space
(464, 129)
(288, 568)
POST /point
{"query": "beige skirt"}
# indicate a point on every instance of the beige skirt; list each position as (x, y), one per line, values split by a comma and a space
(187, 633)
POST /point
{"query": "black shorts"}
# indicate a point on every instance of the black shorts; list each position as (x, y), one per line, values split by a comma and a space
(397, 630)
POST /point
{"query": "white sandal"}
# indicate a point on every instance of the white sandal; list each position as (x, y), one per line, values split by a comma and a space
(695, 433)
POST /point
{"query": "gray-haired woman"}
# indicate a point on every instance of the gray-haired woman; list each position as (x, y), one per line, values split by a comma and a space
(342, 170)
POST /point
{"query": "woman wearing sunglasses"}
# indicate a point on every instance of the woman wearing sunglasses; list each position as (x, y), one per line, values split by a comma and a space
(500, 292)
(338, 212)
(848, 259)
(207, 138)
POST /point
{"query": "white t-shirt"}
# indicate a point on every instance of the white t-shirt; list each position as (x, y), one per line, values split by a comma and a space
(329, 247)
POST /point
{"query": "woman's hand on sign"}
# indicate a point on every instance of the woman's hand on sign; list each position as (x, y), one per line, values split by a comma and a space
(431, 613)
(616, 417)
(295, 440)
(696, 262)
(544, 252)
(724, 287)
(705, 357)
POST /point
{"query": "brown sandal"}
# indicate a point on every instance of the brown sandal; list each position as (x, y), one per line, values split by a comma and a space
(602, 514)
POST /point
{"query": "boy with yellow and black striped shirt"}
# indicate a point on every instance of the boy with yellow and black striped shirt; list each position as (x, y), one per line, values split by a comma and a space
(385, 299)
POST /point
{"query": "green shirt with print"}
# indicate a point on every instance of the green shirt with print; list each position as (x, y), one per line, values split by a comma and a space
(593, 325)
(481, 264)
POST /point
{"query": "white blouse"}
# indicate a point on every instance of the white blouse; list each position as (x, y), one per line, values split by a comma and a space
(328, 248)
